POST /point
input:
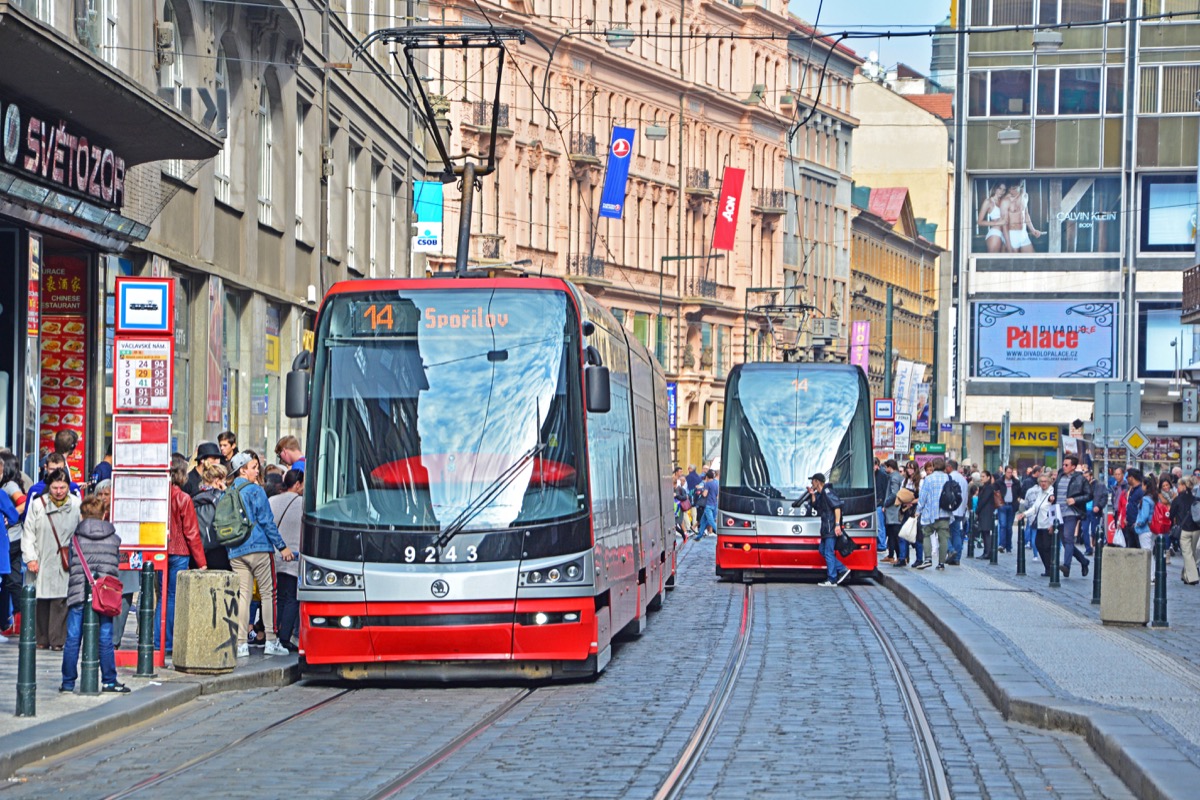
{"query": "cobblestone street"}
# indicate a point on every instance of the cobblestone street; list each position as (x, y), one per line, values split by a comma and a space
(816, 711)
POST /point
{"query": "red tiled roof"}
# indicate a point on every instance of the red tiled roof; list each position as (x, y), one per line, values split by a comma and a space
(887, 203)
(940, 105)
(804, 27)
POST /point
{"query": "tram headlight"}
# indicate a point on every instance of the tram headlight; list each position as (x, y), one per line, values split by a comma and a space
(348, 580)
(573, 572)
(346, 622)
(570, 572)
(540, 618)
(553, 575)
(535, 577)
(315, 575)
(332, 579)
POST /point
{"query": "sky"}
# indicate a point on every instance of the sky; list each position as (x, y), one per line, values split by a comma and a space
(840, 15)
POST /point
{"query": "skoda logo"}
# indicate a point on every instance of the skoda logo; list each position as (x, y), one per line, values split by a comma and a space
(440, 588)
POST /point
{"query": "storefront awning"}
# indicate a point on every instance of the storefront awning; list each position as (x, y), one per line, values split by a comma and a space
(46, 208)
(41, 67)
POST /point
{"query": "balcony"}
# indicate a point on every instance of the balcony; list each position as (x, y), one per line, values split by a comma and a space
(582, 144)
(488, 246)
(703, 288)
(585, 266)
(480, 114)
(769, 201)
(697, 178)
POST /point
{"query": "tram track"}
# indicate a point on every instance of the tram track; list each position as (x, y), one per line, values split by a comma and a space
(932, 769)
(697, 744)
(187, 766)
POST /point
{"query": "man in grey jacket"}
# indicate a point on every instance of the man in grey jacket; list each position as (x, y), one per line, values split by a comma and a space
(891, 510)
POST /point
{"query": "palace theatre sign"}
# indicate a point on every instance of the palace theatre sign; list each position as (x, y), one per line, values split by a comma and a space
(54, 153)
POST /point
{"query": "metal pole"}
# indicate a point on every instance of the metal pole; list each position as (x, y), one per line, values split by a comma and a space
(971, 535)
(1097, 566)
(887, 345)
(145, 648)
(1160, 582)
(325, 156)
(935, 383)
(994, 555)
(27, 654)
(1021, 549)
(464, 218)
(89, 677)
(1055, 561)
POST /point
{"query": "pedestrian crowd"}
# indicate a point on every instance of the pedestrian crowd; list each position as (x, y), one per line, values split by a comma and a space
(60, 539)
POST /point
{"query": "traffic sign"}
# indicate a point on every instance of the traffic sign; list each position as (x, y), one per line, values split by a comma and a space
(884, 435)
(1135, 440)
(903, 432)
(885, 408)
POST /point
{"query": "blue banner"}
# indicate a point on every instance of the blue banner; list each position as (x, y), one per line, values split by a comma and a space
(427, 208)
(672, 401)
(620, 151)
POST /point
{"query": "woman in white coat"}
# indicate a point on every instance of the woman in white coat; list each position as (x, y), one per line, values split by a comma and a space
(50, 522)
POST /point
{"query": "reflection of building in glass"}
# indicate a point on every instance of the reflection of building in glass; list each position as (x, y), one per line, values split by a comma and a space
(1077, 192)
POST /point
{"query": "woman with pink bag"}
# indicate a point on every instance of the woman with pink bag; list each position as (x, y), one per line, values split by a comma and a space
(97, 542)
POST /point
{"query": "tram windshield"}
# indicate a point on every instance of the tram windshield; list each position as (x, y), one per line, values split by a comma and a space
(443, 410)
(785, 422)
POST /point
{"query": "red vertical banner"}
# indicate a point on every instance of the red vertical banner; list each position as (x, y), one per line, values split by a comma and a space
(728, 203)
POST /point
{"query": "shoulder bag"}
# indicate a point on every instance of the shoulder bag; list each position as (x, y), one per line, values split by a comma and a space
(64, 553)
(106, 590)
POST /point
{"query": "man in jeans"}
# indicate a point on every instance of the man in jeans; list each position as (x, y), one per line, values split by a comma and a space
(934, 519)
(1071, 492)
(958, 517)
(829, 506)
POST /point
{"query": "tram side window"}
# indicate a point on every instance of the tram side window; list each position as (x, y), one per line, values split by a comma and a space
(610, 439)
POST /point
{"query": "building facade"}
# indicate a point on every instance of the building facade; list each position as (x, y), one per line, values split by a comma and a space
(298, 174)
(697, 104)
(1079, 203)
(891, 249)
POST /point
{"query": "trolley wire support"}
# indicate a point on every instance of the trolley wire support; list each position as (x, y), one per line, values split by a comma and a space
(1097, 566)
(933, 771)
(1160, 582)
(693, 751)
(27, 653)
(414, 38)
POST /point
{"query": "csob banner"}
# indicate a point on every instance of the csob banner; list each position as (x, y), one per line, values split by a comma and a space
(860, 345)
(620, 152)
(1047, 339)
(728, 203)
(427, 209)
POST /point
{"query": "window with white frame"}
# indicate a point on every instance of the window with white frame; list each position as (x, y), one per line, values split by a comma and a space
(393, 231)
(266, 147)
(221, 164)
(45, 10)
(301, 116)
(372, 219)
(109, 31)
(170, 77)
(352, 209)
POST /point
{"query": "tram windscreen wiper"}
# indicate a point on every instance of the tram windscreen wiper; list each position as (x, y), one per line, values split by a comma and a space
(489, 493)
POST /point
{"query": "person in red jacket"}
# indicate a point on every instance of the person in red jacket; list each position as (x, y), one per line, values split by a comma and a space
(183, 544)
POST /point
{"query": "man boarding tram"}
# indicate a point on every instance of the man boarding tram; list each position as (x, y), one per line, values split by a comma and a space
(829, 506)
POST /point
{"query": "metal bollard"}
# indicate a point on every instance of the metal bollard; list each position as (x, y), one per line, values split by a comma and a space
(971, 538)
(145, 648)
(89, 676)
(994, 558)
(1160, 582)
(1055, 560)
(1021, 551)
(27, 654)
(1097, 566)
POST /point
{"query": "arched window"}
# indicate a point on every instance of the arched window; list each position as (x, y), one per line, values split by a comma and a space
(266, 151)
(222, 163)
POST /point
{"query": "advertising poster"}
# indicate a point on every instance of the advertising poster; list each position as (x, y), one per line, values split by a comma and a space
(1165, 345)
(860, 345)
(616, 174)
(1168, 213)
(1018, 215)
(924, 392)
(1047, 339)
(728, 203)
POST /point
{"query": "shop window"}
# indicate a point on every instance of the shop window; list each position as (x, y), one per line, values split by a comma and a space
(221, 164)
(266, 145)
(231, 349)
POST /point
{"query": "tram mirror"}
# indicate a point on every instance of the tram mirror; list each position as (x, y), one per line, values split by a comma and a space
(599, 399)
(297, 394)
(592, 356)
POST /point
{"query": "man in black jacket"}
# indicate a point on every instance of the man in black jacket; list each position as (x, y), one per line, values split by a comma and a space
(207, 453)
(829, 506)
(1072, 494)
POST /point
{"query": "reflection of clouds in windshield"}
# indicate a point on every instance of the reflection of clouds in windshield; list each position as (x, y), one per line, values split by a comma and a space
(474, 406)
(798, 431)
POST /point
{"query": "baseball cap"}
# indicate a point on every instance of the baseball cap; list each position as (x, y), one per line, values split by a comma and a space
(817, 476)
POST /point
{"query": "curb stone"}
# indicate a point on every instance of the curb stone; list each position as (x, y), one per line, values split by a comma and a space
(48, 739)
(1146, 762)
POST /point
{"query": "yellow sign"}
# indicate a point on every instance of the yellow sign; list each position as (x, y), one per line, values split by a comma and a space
(1135, 440)
(306, 341)
(272, 358)
(1023, 435)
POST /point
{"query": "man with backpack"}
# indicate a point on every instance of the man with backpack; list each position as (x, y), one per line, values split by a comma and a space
(958, 515)
(243, 522)
(939, 498)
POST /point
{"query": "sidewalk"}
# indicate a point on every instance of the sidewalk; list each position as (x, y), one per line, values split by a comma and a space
(64, 721)
(1045, 659)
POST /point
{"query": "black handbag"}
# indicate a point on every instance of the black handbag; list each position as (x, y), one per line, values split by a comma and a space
(844, 544)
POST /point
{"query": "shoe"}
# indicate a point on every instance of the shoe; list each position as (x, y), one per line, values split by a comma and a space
(900, 564)
(114, 688)
(842, 577)
(1089, 553)
(952, 561)
(827, 583)
(941, 566)
(55, 648)
(1066, 571)
(274, 648)
(3, 639)
(1191, 583)
(243, 650)
(1085, 570)
(64, 689)
(889, 560)
(925, 565)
